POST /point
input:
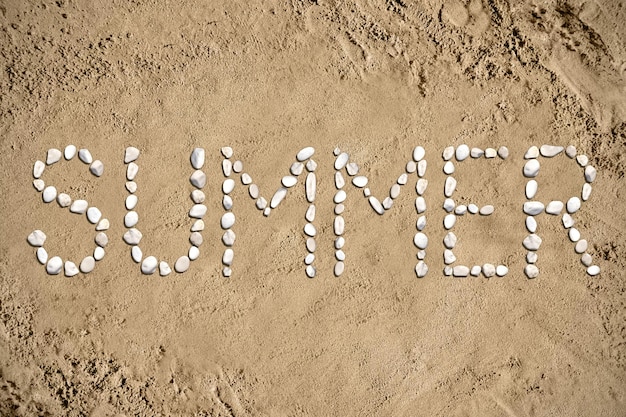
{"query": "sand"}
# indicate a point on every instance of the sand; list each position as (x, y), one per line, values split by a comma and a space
(269, 78)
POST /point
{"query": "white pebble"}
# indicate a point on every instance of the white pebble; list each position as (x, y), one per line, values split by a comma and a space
(532, 153)
(87, 264)
(340, 242)
(310, 271)
(149, 265)
(311, 245)
(531, 168)
(131, 154)
(448, 257)
(132, 237)
(131, 219)
(573, 205)
(38, 169)
(549, 150)
(590, 173)
(49, 194)
(227, 151)
(593, 270)
(54, 155)
(462, 152)
(131, 186)
(448, 168)
(197, 158)
(289, 181)
(261, 203)
(37, 238)
(64, 200)
(531, 189)
(420, 205)
(198, 211)
(131, 171)
(228, 186)
(394, 192)
(296, 168)
(476, 153)
(574, 234)
(309, 230)
(341, 161)
(227, 258)
(228, 238)
(278, 196)
(570, 151)
(421, 269)
(98, 253)
(460, 271)
(582, 160)
(227, 272)
(586, 191)
(103, 224)
(533, 207)
(246, 179)
(586, 259)
(501, 270)
(136, 254)
(420, 240)
(489, 270)
(421, 168)
(227, 202)
(197, 196)
(554, 207)
(340, 255)
(448, 153)
(227, 167)
(305, 153)
(131, 202)
(447, 271)
(338, 226)
(71, 269)
(360, 181)
(42, 256)
(421, 223)
(85, 156)
(339, 268)
(193, 253)
(102, 239)
(54, 265)
(568, 221)
(472, 208)
(69, 152)
(475, 271)
(227, 221)
(503, 152)
(532, 242)
(310, 187)
(196, 239)
(309, 258)
(449, 221)
(253, 190)
(238, 166)
(450, 186)
(198, 179)
(460, 210)
(402, 179)
(94, 215)
(418, 153)
(411, 167)
(39, 185)
(310, 213)
(486, 210)
(378, 208)
(352, 169)
(164, 269)
(421, 186)
(182, 264)
(450, 240)
(449, 205)
(311, 165)
(531, 224)
(531, 271)
(367, 192)
(531, 257)
(581, 246)
(490, 153)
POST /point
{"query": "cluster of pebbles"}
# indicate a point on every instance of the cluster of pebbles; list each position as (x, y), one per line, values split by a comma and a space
(54, 264)
(303, 161)
(532, 208)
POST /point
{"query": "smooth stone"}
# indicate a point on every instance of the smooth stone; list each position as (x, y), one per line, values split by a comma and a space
(462, 152)
(489, 270)
(486, 210)
(227, 221)
(402, 179)
(448, 257)
(554, 207)
(98, 253)
(311, 245)
(71, 269)
(586, 259)
(42, 256)
(531, 224)
(531, 271)
(503, 152)
(131, 186)
(449, 205)
(54, 265)
(228, 238)
(278, 196)
(311, 165)
(586, 191)
(531, 189)
(421, 223)
(102, 239)
(411, 167)
(198, 211)
(570, 151)
(582, 160)
(448, 153)
(448, 168)
(309, 258)
(531, 257)
(340, 242)
(164, 269)
(421, 186)
(103, 224)
(490, 153)
(296, 168)
(37, 238)
(418, 153)
(531, 168)
(394, 192)
(574, 234)
(549, 151)
(182, 264)
(49, 194)
(581, 246)
(421, 168)
(246, 179)
(476, 270)
(149, 265)
(533, 207)
(227, 151)
(131, 219)
(310, 187)
(253, 190)
(460, 271)
(69, 152)
(197, 158)
(197, 226)
(340, 255)
(450, 240)
(568, 221)
(267, 211)
(194, 253)
(136, 254)
(228, 186)
(420, 205)
(450, 186)
(87, 264)
(131, 154)
(131, 202)
(339, 180)
(196, 239)
(593, 270)
(310, 213)
(532, 242)
(472, 208)
(367, 192)
(227, 258)
(339, 225)
(573, 205)
(590, 173)
(360, 181)
(261, 203)
(197, 196)
(227, 167)
(421, 269)
(305, 153)
(94, 215)
(198, 179)
(54, 155)
(420, 240)
(449, 221)
(501, 270)
(64, 200)
(476, 152)
(378, 208)
(341, 161)
(447, 271)
(460, 210)
(131, 171)
(532, 153)
(85, 156)
(387, 203)
(39, 185)
(227, 272)
(289, 181)
(237, 166)
(339, 268)
(352, 169)
(309, 230)
(38, 169)
(310, 271)
(132, 236)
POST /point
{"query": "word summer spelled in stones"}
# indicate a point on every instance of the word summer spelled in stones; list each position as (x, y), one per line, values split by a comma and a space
(345, 172)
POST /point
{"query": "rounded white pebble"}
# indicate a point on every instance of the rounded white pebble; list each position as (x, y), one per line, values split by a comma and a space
(103, 224)
(586, 191)
(49, 194)
(590, 174)
(136, 253)
(228, 186)
(149, 265)
(98, 253)
(237, 166)
(131, 171)
(549, 151)
(182, 264)
(489, 270)
(531, 153)
(85, 156)
(228, 238)
(574, 234)
(593, 270)
(573, 205)
(503, 152)
(531, 224)
(418, 153)
(131, 219)
(460, 271)
(131, 202)
(531, 271)
(450, 186)
(38, 169)
(42, 256)
(227, 258)
(449, 221)
(305, 153)
(164, 269)
(131, 154)
(102, 239)
(476, 153)
(69, 152)
(472, 208)
(197, 158)
(54, 155)
(97, 168)
(339, 268)
(421, 269)
(132, 237)
(37, 238)
(531, 168)
(449, 205)
(227, 151)
(486, 210)
(476, 270)
(501, 270)
(93, 215)
(194, 253)
(309, 230)
(581, 246)
(570, 151)
(533, 207)
(131, 186)
(532, 242)
(198, 211)
(420, 240)
(227, 221)
(448, 153)
(341, 161)
(39, 185)
(554, 207)
(448, 168)
(87, 264)
(71, 269)
(531, 189)
(54, 265)
(64, 200)
(462, 152)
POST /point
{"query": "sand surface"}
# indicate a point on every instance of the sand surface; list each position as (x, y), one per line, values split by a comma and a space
(375, 78)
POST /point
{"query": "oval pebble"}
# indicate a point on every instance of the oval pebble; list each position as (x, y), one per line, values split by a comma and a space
(87, 264)
(450, 186)
(310, 271)
(309, 258)
(103, 224)
(310, 213)
(448, 153)
(305, 153)
(581, 246)
(462, 152)
(130, 154)
(476, 270)
(531, 153)
(37, 238)
(531, 168)
(449, 205)
(227, 151)
(70, 269)
(309, 230)
(573, 205)
(532, 242)
(296, 168)
(339, 268)
(97, 168)
(149, 265)
(590, 174)
(472, 208)
(228, 186)
(194, 253)
(228, 238)
(69, 152)
(341, 161)
(489, 270)
(227, 221)
(42, 256)
(450, 240)
(310, 187)
(246, 179)
(460, 210)
(182, 264)
(582, 160)
(449, 221)
(486, 210)
(197, 179)
(131, 202)
(378, 208)
(503, 152)
(490, 153)
(421, 223)
(54, 265)
(227, 167)
(531, 189)
(38, 169)
(476, 153)
(448, 257)
(238, 166)
(533, 207)
(131, 171)
(420, 240)
(39, 185)
(586, 191)
(339, 180)
(198, 211)
(195, 238)
(136, 254)
(131, 186)
(418, 153)
(501, 270)
(574, 234)
(360, 181)
(278, 196)
(593, 270)
(554, 207)
(448, 168)
(531, 271)
(98, 253)
(339, 225)
(352, 169)
(227, 258)
(549, 151)
(93, 215)
(568, 221)
(421, 168)
(64, 200)
(197, 158)
(420, 205)
(132, 236)
(340, 197)
(531, 224)
(197, 226)
(53, 156)
(460, 271)
(411, 167)
(570, 151)
(421, 269)
(85, 156)
(49, 194)
(311, 245)
(102, 239)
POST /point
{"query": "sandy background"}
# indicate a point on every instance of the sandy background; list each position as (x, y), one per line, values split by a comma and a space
(268, 78)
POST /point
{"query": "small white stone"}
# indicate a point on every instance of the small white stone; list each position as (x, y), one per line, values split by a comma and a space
(590, 174)
(54, 155)
(336, 151)
(253, 190)
(131, 171)
(533, 207)
(198, 211)
(420, 205)
(340, 242)
(197, 226)
(531, 224)
(554, 207)
(568, 221)
(64, 200)
(93, 215)
(503, 152)
(261, 203)
(131, 219)
(227, 272)
(305, 153)
(340, 255)
(87, 264)
(570, 151)
(448, 153)
(310, 213)
(352, 169)
(311, 165)
(460, 210)
(489, 270)
(573, 205)
(378, 208)
(310, 271)
(289, 181)
(164, 269)
(227, 151)
(421, 223)
(338, 226)
(532, 242)
(238, 166)
(394, 192)
(227, 221)
(296, 168)
(54, 265)
(227, 258)
(197, 158)
(196, 239)
(447, 271)
(486, 210)
(475, 271)
(131, 154)
(501, 270)
(309, 230)
(39, 185)
(69, 152)
(421, 269)
(421, 186)
(198, 179)
(586, 191)
(449, 221)
(582, 160)
(449, 205)
(360, 181)
(132, 237)
(103, 224)
(593, 270)
(37, 238)
(574, 234)
(131, 186)
(246, 179)
(448, 168)
(149, 265)
(418, 153)
(309, 258)
(411, 167)
(102, 239)
(462, 152)
(532, 153)
(197, 196)
(490, 153)
(228, 238)
(472, 208)
(420, 240)
(227, 167)
(531, 271)
(581, 246)
(421, 254)
(71, 269)
(98, 253)
(42, 256)
(448, 257)
(311, 245)
(267, 211)
(38, 169)
(531, 189)
(49, 194)
(136, 254)
(194, 253)
(531, 168)
(341, 161)
(450, 186)
(460, 271)
(421, 168)
(531, 257)
(131, 202)
(586, 259)
(367, 192)
(228, 186)
(278, 196)
(85, 156)
(339, 268)
(476, 153)
(182, 264)
(450, 240)
(549, 151)
(310, 187)
(402, 179)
